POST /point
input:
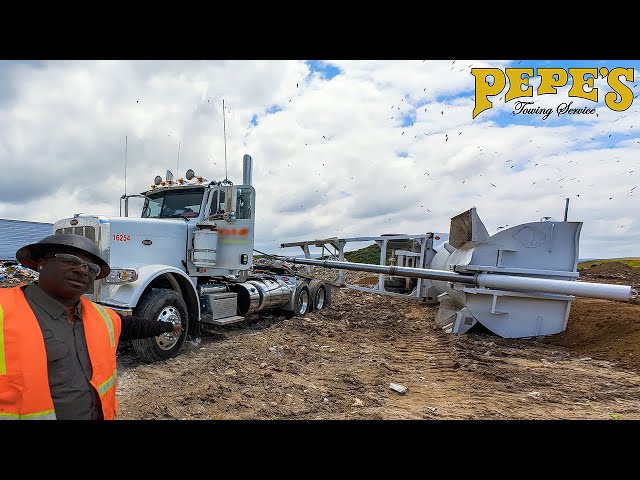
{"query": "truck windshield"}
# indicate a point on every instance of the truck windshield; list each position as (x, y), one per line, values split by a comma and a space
(173, 203)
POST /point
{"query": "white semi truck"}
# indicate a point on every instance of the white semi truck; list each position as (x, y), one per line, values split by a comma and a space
(189, 259)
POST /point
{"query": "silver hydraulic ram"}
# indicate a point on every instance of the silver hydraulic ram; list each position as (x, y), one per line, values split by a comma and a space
(506, 282)
(517, 283)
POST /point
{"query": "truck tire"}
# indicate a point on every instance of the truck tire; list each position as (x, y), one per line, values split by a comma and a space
(318, 294)
(161, 304)
(301, 300)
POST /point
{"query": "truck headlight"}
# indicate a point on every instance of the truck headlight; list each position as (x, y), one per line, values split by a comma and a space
(122, 275)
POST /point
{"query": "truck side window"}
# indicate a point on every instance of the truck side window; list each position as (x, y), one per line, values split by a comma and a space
(217, 204)
(243, 206)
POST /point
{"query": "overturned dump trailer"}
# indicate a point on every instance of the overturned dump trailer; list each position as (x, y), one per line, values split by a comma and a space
(517, 283)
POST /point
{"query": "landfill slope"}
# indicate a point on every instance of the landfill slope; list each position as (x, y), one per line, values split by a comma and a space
(341, 362)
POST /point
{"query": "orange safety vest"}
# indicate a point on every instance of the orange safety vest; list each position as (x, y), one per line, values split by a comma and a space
(24, 382)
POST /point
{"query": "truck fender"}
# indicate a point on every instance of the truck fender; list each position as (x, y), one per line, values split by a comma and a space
(128, 294)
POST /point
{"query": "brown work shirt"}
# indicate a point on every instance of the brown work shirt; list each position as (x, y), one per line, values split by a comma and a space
(69, 367)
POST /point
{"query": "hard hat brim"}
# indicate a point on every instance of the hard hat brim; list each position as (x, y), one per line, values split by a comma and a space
(29, 255)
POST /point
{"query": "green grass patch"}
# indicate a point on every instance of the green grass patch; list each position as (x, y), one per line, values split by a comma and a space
(635, 262)
(370, 255)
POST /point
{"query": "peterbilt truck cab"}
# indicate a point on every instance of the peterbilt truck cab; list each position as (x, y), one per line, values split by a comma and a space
(188, 258)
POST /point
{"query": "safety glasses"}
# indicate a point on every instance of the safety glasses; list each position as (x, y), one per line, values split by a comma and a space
(72, 261)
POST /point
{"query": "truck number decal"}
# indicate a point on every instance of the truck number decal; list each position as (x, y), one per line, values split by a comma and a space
(119, 237)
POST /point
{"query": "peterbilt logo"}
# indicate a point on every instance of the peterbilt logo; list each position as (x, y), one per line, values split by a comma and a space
(74, 222)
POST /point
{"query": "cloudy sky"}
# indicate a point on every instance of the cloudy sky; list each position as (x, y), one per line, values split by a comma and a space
(340, 148)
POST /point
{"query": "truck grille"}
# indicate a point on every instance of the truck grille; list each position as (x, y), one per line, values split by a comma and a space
(85, 231)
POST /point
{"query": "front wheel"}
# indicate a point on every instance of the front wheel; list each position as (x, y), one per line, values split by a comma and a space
(164, 305)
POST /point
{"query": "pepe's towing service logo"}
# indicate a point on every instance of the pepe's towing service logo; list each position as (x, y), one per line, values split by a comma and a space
(492, 81)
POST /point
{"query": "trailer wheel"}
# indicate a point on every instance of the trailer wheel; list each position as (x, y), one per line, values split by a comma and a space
(301, 300)
(318, 294)
(161, 304)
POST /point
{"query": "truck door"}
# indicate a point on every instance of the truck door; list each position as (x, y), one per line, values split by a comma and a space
(233, 209)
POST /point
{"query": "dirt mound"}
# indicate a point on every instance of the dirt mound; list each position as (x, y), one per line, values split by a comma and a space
(603, 330)
(613, 272)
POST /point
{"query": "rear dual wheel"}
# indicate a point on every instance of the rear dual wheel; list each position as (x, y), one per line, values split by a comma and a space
(318, 294)
(301, 300)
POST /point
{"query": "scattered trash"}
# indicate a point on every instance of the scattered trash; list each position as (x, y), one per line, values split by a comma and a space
(401, 389)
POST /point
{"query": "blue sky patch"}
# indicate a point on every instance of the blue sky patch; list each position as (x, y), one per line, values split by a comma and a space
(327, 70)
(273, 109)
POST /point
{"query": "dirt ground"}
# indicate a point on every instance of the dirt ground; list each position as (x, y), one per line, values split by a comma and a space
(339, 363)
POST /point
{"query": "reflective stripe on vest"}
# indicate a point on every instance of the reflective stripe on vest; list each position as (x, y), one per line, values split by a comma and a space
(107, 319)
(3, 362)
(108, 384)
(46, 415)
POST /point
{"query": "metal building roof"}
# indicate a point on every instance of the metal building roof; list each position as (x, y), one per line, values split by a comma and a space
(18, 233)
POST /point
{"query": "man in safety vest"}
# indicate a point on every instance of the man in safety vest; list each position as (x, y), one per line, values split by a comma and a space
(57, 348)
